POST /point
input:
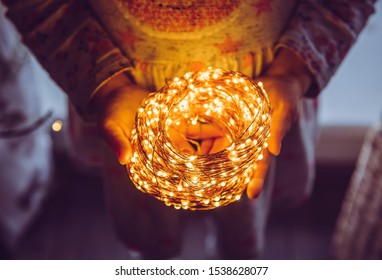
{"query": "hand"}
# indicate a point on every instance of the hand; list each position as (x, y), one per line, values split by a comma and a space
(286, 82)
(198, 138)
(116, 104)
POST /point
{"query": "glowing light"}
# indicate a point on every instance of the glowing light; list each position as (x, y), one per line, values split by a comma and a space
(222, 98)
(57, 125)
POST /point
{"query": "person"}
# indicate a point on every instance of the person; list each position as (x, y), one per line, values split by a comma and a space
(108, 55)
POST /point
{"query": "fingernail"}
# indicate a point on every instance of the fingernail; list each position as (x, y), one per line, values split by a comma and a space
(278, 149)
(123, 159)
(187, 151)
(119, 157)
(275, 149)
(254, 188)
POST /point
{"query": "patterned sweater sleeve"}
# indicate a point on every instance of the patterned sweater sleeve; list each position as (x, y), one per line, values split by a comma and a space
(322, 31)
(70, 43)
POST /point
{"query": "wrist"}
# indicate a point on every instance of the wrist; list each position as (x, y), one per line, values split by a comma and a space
(112, 85)
(289, 67)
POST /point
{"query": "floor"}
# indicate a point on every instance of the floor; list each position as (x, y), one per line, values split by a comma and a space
(74, 224)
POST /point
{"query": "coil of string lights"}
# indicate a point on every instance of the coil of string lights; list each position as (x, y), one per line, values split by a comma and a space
(226, 99)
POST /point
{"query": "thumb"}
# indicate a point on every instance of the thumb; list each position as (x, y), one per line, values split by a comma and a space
(281, 122)
(118, 140)
(257, 181)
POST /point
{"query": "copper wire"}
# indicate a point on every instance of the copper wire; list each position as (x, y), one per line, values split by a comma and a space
(227, 99)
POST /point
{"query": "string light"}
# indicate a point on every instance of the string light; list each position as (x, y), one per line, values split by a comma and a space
(224, 99)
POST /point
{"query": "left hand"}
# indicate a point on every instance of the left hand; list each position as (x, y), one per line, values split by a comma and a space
(116, 104)
(285, 82)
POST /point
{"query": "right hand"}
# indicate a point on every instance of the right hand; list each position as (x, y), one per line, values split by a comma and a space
(286, 81)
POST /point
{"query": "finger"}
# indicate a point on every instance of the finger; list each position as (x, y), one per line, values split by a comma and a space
(257, 181)
(180, 141)
(204, 131)
(280, 124)
(118, 140)
(219, 144)
(206, 146)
